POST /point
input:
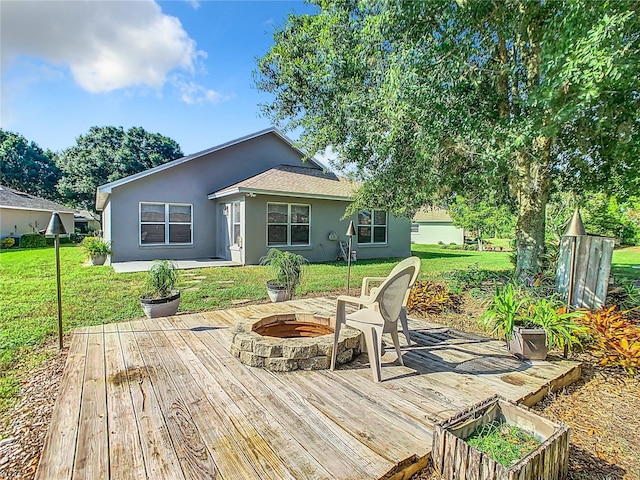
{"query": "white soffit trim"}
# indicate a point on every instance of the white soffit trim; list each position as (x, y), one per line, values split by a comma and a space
(275, 193)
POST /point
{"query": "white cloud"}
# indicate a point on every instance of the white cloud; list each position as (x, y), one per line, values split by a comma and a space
(107, 45)
(193, 93)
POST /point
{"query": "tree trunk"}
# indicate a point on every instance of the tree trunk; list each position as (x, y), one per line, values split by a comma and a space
(532, 185)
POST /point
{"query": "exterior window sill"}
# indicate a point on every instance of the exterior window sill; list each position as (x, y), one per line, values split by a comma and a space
(170, 245)
(292, 247)
(372, 245)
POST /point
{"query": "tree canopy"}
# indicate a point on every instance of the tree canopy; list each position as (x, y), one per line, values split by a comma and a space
(26, 167)
(106, 154)
(425, 100)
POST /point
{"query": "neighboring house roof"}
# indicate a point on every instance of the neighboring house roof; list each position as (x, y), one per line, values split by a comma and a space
(103, 191)
(290, 181)
(10, 198)
(85, 215)
(428, 215)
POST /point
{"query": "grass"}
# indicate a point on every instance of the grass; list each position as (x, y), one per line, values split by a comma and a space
(624, 259)
(97, 295)
(504, 443)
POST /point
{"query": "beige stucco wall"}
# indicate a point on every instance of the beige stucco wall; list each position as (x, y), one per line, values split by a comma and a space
(15, 222)
(435, 232)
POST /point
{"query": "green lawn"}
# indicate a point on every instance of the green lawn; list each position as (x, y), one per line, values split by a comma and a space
(96, 295)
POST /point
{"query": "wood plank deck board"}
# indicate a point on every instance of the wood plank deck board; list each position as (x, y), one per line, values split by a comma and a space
(320, 437)
(166, 399)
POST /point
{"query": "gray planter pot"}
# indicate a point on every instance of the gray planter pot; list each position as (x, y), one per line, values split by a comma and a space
(528, 343)
(161, 307)
(277, 293)
(98, 259)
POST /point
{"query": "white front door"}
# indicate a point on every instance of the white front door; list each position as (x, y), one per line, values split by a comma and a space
(222, 237)
(229, 244)
(235, 232)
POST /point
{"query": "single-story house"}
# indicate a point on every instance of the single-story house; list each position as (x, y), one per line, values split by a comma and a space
(435, 225)
(22, 213)
(86, 221)
(235, 201)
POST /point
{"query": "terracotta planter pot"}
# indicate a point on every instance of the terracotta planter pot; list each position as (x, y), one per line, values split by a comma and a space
(161, 307)
(528, 343)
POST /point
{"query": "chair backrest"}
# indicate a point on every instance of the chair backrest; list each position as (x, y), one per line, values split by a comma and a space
(391, 294)
(415, 261)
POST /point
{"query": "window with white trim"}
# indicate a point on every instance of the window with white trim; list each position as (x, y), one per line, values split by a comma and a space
(166, 223)
(288, 224)
(372, 226)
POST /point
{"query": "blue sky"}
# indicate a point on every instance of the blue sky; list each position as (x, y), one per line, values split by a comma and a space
(179, 68)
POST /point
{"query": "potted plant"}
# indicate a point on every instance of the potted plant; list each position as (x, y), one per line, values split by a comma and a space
(530, 327)
(96, 249)
(161, 298)
(287, 268)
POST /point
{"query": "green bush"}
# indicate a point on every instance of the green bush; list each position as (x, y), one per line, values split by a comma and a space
(32, 240)
(7, 243)
(95, 246)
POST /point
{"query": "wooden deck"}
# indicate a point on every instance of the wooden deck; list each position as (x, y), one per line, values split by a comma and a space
(164, 399)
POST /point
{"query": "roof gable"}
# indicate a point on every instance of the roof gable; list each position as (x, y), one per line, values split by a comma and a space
(103, 191)
(10, 198)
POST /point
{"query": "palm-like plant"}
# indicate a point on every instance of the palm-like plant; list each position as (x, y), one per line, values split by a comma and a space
(506, 310)
(553, 317)
(288, 268)
(162, 278)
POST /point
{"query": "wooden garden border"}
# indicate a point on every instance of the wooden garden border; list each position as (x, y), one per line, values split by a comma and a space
(454, 459)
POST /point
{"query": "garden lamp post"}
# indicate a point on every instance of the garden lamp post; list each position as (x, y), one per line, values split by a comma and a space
(351, 231)
(574, 230)
(56, 228)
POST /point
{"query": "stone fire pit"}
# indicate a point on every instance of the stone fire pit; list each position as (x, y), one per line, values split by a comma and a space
(292, 341)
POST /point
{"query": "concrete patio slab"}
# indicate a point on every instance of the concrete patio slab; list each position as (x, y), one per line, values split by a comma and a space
(143, 266)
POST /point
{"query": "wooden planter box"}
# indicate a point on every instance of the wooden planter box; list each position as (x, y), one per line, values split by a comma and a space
(454, 459)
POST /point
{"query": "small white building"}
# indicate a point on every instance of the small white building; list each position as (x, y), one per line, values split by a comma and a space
(432, 226)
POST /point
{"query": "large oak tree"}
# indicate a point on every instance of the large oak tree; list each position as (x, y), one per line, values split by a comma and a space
(26, 167)
(106, 154)
(427, 99)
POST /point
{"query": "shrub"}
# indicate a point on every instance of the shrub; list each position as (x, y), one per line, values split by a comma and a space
(94, 246)
(431, 298)
(471, 277)
(162, 278)
(32, 240)
(7, 243)
(616, 338)
(287, 267)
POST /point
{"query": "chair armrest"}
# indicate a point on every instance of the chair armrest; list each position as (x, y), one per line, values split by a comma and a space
(354, 300)
(366, 283)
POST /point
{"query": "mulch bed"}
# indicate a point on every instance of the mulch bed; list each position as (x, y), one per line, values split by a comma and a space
(602, 409)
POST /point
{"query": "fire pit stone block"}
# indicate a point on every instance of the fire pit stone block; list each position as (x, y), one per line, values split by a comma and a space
(268, 342)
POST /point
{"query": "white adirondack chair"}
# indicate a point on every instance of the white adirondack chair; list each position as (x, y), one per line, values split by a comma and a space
(383, 308)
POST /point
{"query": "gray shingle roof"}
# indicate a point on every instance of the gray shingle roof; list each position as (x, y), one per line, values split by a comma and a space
(426, 214)
(294, 181)
(10, 198)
